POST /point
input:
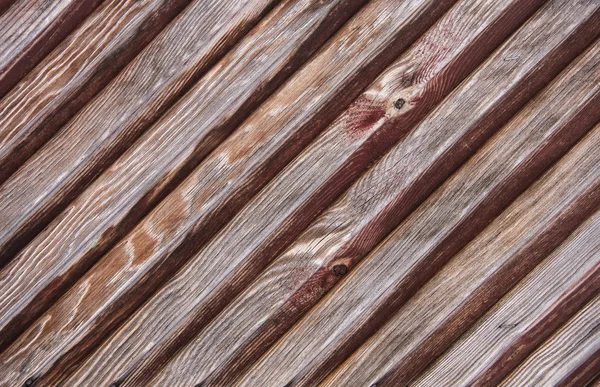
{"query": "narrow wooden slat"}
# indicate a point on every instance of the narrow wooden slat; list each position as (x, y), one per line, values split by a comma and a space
(528, 314)
(284, 206)
(428, 238)
(447, 305)
(212, 194)
(30, 29)
(74, 72)
(557, 361)
(315, 178)
(108, 125)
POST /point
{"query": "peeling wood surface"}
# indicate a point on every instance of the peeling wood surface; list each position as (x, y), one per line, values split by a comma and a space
(30, 29)
(574, 347)
(69, 77)
(199, 192)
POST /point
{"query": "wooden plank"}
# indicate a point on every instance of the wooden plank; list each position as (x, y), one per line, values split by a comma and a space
(475, 279)
(30, 29)
(107, 126)
(315, 178)
(575, 345)
(74, 73)
(432, 234)
(261, 147)
(527, 315)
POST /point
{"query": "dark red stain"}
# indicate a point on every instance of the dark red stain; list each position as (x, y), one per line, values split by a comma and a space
(361, 116)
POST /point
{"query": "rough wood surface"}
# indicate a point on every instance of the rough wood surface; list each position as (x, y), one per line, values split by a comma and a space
(30, 29)
(107, 126)
(296, 195)
(528, 314)
(460, 293)
(439, 228)
(558, 360)
(74, 72)
(197, 209)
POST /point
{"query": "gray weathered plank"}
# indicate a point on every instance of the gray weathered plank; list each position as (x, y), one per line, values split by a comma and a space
(529, 313)
(30, 29)
(437, 230)
(558, 360)
(74, 73)
(107, 126)
(208, 198)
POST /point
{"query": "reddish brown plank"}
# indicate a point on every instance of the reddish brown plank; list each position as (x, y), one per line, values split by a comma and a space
(107, 126)
(74, 73)
(431, 235)
(217, 189)
(560, 360)
(527, 315)
(30, 29)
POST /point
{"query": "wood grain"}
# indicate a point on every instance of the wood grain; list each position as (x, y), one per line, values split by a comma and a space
(289, 202)
(527, 315)
(74, 73)
(217, 189)
(438, 229)
(557, 361)
(30, 29)
(107, 126)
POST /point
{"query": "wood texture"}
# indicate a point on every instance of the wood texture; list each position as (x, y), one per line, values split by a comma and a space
(108, 125)
(74, 73)
(527, 315)
(264, 144)
(439, 228)
(30, 29)
(157, 161)
(558, 360)
(293, 198)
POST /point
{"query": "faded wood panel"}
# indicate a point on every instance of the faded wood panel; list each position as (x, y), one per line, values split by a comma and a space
(317, 176)
(527, 315)
(438, 229)
(107, 126)
(558, 360)
(30, 29)
(463, 290)
(216, 190)
(74, 72)
(140, 177)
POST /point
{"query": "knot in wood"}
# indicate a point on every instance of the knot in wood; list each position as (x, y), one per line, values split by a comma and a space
(340, 270)
(399, 103)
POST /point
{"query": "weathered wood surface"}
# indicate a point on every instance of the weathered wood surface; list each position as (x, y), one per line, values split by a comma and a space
(315, 178)
(438, 229)
(74, 73)
(563, 359)
(30, 29)
(528, 314)
(107, 126)
(271, 52)
(264, 144)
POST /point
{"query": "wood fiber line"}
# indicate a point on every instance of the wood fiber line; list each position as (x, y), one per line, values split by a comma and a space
(185, 50)
(75, 72)
(557, 361)
(30, 29)
(429, 237)
(215, 191)
(477, 277)
(528, 314)
(4, 5)
(295, 197)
